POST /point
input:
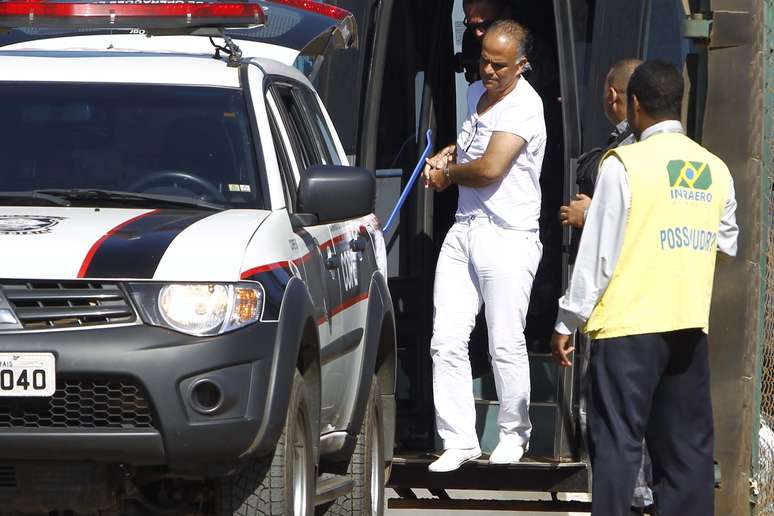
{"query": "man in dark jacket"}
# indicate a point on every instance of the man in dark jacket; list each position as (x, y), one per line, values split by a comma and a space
(614, 104)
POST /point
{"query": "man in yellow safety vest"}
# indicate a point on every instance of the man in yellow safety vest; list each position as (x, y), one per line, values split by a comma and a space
(641, 289)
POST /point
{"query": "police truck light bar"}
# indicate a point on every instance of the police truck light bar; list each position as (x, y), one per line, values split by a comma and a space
(127, 15)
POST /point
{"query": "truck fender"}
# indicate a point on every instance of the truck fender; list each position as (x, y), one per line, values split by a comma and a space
(380, 313)
(291, 350)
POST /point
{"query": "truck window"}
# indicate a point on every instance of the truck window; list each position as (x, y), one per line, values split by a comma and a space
(283, 161)
(321, 130)
(304, 145)
(189, 142)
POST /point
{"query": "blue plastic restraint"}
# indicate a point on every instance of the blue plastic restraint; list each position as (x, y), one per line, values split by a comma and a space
(411, 181)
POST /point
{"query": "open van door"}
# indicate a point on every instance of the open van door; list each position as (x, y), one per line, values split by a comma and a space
(554, 462)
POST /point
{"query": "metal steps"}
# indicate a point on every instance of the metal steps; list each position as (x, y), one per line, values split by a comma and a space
(410, 471)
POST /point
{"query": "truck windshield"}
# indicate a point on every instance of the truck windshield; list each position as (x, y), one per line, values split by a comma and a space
(181, 143)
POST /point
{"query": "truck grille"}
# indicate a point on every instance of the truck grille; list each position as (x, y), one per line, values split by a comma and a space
(7, 476)
(81, 404)
(53, 304)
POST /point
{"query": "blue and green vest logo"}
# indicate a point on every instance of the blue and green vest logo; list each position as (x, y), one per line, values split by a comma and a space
(689, 174)
(689, 180)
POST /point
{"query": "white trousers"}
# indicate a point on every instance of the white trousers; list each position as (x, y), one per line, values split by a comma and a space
(481, 262)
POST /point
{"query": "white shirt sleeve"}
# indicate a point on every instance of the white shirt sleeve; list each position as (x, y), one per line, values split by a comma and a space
(520, 119)
(599, 248)
(728, 231)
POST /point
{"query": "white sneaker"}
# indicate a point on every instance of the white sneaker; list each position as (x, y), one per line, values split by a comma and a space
(507, 452)
(453, 458)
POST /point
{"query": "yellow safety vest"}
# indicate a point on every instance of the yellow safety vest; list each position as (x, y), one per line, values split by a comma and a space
(663, 278)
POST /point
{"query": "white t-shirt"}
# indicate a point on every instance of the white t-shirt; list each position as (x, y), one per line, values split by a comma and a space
(514, 200)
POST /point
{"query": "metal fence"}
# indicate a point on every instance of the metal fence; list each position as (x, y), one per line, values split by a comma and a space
(765, 476)
(765, 472)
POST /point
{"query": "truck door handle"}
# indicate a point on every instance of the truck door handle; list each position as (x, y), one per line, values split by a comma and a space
(333, 262)
(358, 244)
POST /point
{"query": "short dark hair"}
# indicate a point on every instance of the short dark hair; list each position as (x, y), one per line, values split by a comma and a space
(514, 31)
(658, 87)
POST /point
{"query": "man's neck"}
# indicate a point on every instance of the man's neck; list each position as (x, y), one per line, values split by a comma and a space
(495, 97)
(666, 125)
(646, 122)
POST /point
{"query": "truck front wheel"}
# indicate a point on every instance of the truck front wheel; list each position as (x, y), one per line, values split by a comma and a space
(280, 484)
(366, 468)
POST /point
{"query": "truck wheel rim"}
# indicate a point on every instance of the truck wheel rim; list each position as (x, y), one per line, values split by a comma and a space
(300, 467)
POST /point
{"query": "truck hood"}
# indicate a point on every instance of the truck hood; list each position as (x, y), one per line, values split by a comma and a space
(117, 243)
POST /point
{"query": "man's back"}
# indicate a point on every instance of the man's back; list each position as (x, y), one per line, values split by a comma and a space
(678, 193)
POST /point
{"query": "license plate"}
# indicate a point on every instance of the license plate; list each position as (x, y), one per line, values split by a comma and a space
(27, 374)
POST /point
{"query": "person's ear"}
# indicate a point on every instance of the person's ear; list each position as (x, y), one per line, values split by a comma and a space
(612, 95)
(635, 104)
(632, 110)
(521, 65)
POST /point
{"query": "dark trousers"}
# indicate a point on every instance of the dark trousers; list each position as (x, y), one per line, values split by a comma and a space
(655, 386)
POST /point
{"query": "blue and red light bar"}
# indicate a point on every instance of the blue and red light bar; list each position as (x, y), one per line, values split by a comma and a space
(36, 13)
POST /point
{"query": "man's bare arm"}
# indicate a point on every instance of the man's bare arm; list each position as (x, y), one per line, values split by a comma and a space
(496, 161)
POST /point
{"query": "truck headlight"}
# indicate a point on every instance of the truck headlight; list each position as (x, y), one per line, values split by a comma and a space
(196, 309)
(199, 309)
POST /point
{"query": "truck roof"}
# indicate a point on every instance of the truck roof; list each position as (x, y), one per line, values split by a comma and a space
(137, 59)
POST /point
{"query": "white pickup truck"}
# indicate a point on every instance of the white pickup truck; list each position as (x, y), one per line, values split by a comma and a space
(194, 316)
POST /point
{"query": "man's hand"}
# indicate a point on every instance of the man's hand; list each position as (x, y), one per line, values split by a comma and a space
(433, 171)
(449, 150)
(574, 214)
(561, 349)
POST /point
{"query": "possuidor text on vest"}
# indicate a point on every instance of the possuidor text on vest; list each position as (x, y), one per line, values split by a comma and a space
(684, 237)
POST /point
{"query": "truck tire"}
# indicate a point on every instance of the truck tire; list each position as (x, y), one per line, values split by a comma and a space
(366, 468)
(281, 484)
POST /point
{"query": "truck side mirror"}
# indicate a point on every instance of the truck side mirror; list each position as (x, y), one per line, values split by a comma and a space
(333, 193)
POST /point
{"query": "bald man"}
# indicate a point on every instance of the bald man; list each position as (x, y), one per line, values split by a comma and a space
(491, 253)
(614, 105)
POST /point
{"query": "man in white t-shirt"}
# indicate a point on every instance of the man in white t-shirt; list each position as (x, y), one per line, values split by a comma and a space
(492, 252)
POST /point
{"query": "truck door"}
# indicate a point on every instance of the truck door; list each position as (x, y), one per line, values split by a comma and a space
(342, 357)
(285, 103)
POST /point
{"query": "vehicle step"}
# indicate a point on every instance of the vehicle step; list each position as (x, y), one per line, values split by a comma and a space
(330, 487)
(410, 471)
(528, 463)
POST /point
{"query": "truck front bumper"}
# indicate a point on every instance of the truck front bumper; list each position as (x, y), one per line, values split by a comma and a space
(145, 396)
